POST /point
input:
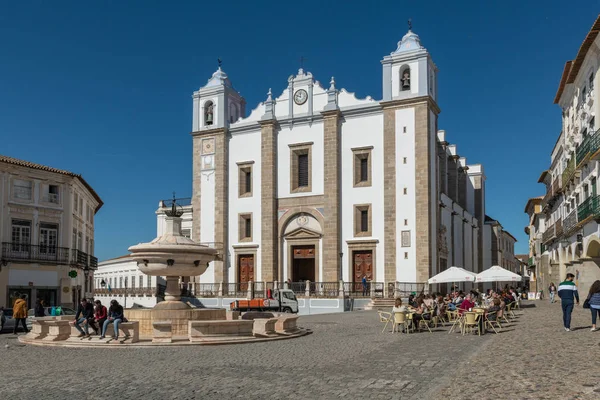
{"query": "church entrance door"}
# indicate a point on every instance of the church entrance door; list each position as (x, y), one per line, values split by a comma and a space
(303, 263)
(363, 265)
(245, 270)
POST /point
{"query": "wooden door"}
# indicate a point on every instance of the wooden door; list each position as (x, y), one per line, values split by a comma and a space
(363, 265)
(245, 270)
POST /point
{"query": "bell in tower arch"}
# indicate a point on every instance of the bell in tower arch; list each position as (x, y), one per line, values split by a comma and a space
(406, 79)
(208, 113)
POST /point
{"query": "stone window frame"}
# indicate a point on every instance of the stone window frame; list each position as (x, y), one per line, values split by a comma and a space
(358, 208)
(242, 218)
(358, 154)
(243, 168)
(296, 150)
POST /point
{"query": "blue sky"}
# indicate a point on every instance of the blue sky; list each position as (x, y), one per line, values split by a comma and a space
(104, 88)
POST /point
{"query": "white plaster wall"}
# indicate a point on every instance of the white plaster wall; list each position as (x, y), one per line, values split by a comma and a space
(244, 147)
(300, 134)
(354, 134)
(487, 246)
(470, 196)
(468, 243)
(446, 219)
(458, 232)
(22, 277)
(405, 204)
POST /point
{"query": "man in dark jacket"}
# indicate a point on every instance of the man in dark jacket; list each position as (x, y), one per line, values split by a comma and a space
(567, 291)
(85, 313)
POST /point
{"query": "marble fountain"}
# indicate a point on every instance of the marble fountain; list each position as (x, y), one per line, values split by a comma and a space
(171, 322)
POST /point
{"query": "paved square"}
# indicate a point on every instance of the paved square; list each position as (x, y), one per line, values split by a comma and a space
(346, 356)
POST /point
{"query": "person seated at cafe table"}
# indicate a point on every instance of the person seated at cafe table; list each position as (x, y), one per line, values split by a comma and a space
(440, 310)
(398, 307)
(466, 305)
(492, 312)
(421, 312)
(411, 300)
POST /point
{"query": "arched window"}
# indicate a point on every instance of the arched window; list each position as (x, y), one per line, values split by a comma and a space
(208, 113)
(405, 79)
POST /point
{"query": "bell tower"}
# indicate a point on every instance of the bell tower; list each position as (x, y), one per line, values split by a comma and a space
(217, 104)
(409, 71)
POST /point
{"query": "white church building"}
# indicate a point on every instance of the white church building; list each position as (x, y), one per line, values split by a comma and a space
(316, 184)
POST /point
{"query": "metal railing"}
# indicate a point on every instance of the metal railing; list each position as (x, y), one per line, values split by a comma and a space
(548, 234)
(324, 289)
(357, 289)
(235, 289)
(568, 172)
(589, 208)
(50, 198)
(570, 222)
(589, 146)
(35, 253)
(531, 261)
(558, 228)
(206, 289)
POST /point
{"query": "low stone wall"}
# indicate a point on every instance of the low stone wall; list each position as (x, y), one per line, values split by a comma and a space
(227, 329)
(178, 318)
(264, 327)
(162, 332)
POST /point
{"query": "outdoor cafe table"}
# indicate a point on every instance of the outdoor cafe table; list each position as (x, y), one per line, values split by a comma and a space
(481, 312)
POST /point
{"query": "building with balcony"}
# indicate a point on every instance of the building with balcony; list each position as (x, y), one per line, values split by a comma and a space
(499, 246)
(534, 229)
(571, 206)
(47, 233)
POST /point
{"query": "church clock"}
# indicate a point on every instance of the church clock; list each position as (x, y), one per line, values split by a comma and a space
(300, 97)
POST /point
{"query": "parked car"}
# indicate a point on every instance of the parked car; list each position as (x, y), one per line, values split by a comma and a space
(9, 325)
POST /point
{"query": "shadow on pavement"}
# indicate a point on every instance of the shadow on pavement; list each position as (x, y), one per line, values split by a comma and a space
(528, 305)
(581, 327)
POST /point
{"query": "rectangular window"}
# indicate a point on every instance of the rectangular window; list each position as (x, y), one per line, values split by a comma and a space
(74, 239)
(141, 281)
(362, 166)
(300, 167)
(187, 233)
(245, 227)
(48, 238)
(120, 282)
(92, 247)
(21, 235)
(52, 196)
(362, 220)
(81, 206)
(591, 81)
(594, 187)
(80, 241)
(133, 282)
(302, 170)
(149, 281)
(75, 201)
(245, 178)
(22, 189)
(405, 238)
(87, 245)
(593, 124)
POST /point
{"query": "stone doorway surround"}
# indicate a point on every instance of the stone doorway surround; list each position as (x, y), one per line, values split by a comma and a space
(361, 245)
(302, 237)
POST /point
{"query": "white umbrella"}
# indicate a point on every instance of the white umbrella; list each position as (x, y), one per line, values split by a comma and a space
(453, 274)
(498, 274)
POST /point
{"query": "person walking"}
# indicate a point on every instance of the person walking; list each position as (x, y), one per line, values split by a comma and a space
(594, 301)
(552, 291)
(567, 291)
(364, 285)
(20, 313)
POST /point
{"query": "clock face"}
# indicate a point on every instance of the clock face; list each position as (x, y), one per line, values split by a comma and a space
(300, 97)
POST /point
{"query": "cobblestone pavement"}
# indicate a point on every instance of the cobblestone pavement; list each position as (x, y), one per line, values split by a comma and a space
(533, 359)
(346, 356)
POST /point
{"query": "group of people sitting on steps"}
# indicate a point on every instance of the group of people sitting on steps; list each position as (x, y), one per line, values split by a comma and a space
(98, 317)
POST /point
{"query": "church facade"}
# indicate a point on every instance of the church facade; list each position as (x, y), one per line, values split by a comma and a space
(316, 184)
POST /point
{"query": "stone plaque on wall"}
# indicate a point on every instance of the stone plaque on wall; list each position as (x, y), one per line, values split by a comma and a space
(208, 146)
(405, 238)
(208, 162)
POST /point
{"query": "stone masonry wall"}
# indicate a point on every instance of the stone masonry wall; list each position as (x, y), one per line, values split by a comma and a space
(268, 223)
(331, 173)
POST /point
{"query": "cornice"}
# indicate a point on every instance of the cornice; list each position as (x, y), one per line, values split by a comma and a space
(412, 102)
(209, 132)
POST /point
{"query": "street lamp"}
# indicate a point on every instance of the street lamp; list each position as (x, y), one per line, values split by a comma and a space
(103, 283)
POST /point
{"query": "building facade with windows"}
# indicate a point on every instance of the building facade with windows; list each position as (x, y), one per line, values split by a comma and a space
(47, 231)
(316, 184)
(571, 206)
(499, 246)
(536, 261)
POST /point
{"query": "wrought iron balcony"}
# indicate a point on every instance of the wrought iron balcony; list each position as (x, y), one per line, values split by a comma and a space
(569, 172)
(549, 234)
(557, 185)
(589, 208)
(531, 261)
(588, 148)
(558, 228)
(79, 258)
(23, 252)
(570, 222)
(93, 262)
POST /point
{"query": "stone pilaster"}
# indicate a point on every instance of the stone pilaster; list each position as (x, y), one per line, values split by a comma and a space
(462, 188)
(221, 202)
(389, 193)
(478, 185)
(424, 245)
(453, 178)
(196, 186)
(268, 175)
(332, 189)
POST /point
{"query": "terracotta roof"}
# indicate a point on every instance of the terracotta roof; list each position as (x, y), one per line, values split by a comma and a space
(572, 68)
(28, 164)
(563, 81)
(533, 200)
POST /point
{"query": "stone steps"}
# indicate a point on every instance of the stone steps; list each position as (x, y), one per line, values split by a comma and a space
(380, 304)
